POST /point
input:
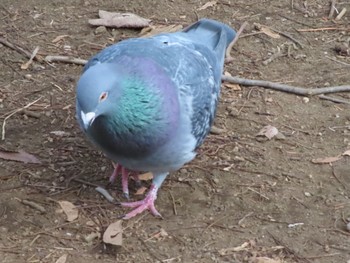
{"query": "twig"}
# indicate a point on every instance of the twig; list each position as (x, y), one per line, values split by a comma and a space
(229, 48)
(332, 10)
(244, 217)
(340, 62)
(216, 221)
(15, 47)
(284, 87)
(66, 59)
(341, 14)
(336, 100)
(13, 113)
(105, 193)
(32, 205)
(32, 56)
(174, 204)
(264, 196)
(288, 250)
(323, 29)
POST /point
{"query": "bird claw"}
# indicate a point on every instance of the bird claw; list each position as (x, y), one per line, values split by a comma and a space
(145, 204)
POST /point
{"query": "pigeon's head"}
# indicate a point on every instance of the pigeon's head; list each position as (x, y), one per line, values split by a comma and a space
(98, 92)
(118, 104)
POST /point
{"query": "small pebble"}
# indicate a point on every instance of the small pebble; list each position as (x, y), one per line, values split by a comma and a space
(306, 99)
(100, 30)
(348, 226)
(307, 194)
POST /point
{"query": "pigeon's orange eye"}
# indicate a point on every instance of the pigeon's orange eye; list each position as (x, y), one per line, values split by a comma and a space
(103, 96)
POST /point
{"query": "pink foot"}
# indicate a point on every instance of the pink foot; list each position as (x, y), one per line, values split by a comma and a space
(125, 178)
(145, 204)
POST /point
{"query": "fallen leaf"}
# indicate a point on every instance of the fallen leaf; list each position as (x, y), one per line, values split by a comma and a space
(346, 153)
(59, 38)
(62, 259)
(146, 176)
(113, 19)
(226, 251)
(233, 86)
(114, 234)
(266, 260)
(154, 30)
(141, 190)
(70, 210)
(268, 131)
(326, 159)
(20, 156)
(208, 4)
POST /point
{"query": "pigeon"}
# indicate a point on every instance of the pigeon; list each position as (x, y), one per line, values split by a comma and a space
(148, 103)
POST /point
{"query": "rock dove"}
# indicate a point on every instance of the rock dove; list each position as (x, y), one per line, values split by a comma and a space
(148, 103)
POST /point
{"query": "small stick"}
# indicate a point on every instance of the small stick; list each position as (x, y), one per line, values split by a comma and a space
(322, 29)
(341, 14)
(27, 64)
(336, 100)
(15, 47)
(229, 48)
(332, 10)
(32, 205)
(66, 59)
(13, 113)
(286, 88)
(105, 193)
(174, 204)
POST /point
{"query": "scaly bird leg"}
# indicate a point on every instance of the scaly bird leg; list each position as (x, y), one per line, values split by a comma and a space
(148, 202)
(125, 178)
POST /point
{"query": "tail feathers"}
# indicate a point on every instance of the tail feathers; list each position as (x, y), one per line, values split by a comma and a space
(211, 32)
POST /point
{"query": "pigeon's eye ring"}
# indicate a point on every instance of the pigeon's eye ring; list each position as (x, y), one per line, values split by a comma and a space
(103, 96)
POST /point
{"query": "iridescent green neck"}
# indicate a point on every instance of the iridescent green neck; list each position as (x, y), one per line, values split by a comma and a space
(138, 108)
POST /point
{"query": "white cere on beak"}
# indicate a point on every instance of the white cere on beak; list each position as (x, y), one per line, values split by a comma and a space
(87, 118)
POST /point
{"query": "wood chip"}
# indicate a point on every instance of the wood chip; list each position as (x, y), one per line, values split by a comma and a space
(208, 4)
(69, 209)
(20, 156)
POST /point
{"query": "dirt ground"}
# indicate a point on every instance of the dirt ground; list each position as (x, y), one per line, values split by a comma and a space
(243, 199)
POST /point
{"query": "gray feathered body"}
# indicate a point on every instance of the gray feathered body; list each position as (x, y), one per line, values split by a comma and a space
(183, 72)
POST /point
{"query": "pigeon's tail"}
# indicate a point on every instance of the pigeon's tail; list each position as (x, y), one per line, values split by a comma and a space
(213, 34)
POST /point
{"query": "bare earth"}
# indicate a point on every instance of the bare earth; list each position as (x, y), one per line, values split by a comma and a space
(243, 199)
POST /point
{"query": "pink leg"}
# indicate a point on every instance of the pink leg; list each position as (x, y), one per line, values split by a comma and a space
(117, 169)
(145, 204)
(125, 178)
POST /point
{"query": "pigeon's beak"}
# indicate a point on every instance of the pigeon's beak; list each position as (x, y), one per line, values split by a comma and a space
(87, 118)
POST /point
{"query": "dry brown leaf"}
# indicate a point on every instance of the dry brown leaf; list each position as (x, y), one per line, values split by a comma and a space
(326, 159)
(114, 234)
(154, 30)
(266, 260)
(70, 210)
(62, 259)
(208, 4)
(59, 38)
(141, 190)
(146, 176)
(346, 153)
(268, 131)
(233, 86)
(113, 19)
(226, 251)
(20, 156)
